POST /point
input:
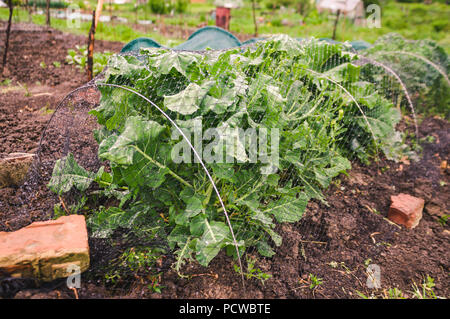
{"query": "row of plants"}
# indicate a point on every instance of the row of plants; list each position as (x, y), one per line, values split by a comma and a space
(43, 4)
(420, 64)
(311, 92)
(164, 7)
(78, 58)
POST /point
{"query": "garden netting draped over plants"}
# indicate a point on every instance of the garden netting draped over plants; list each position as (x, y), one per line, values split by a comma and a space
(175, 157)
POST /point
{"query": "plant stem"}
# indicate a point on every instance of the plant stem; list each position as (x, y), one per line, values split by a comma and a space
(254, 17)
(335, 24)
(47, 19)
(173, 174)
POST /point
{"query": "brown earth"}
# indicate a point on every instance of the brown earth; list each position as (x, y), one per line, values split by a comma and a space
(29, 91)
(334, 242)
(34, 89)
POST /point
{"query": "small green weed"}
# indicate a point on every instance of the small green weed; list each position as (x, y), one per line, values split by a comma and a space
(6, 82)
(253, 272)
(46, 109)
(137, 263)
(314, 281)
(426, 290)
(25, 88)
(443, 220)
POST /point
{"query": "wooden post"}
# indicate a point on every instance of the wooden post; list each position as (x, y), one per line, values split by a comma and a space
(28, 8)
(47, 20)
(98, 12)
(8, 31)
(162, 26)
(136, 12)
(90, 54)
(254, 17)
(110, 10)
(335, 24)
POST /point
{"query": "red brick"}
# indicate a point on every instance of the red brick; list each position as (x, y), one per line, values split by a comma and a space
(44, 250)
(406, 210)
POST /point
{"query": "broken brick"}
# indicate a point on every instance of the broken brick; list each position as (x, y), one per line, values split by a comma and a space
(46, 250)
(406, 210)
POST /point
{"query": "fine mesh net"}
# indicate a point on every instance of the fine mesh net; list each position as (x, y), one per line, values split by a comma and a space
(177, 156)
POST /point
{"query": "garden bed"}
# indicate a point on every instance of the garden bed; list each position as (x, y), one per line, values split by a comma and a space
(333, 243)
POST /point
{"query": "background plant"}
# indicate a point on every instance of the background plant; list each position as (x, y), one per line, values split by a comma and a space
(78, 57)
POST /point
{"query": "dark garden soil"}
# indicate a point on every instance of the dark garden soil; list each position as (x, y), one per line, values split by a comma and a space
(334, 242)
(36, 83)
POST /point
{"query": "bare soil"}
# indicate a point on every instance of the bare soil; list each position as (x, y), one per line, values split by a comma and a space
(334, 242)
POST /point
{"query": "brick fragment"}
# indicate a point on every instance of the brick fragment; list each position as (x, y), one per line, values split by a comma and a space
(406, 210)
(46, 250)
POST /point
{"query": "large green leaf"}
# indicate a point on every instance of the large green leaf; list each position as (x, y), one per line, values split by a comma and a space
(166, 61)
(288, 209)
(67, 174)
(231, 143)
(138, 219)
(142, 159)
(187, 101)
(216, 236)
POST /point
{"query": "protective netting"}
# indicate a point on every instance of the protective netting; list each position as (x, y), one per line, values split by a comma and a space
(175, 156)
(421, 66)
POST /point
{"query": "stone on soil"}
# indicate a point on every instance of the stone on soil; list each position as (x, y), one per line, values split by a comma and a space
(14, 168)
